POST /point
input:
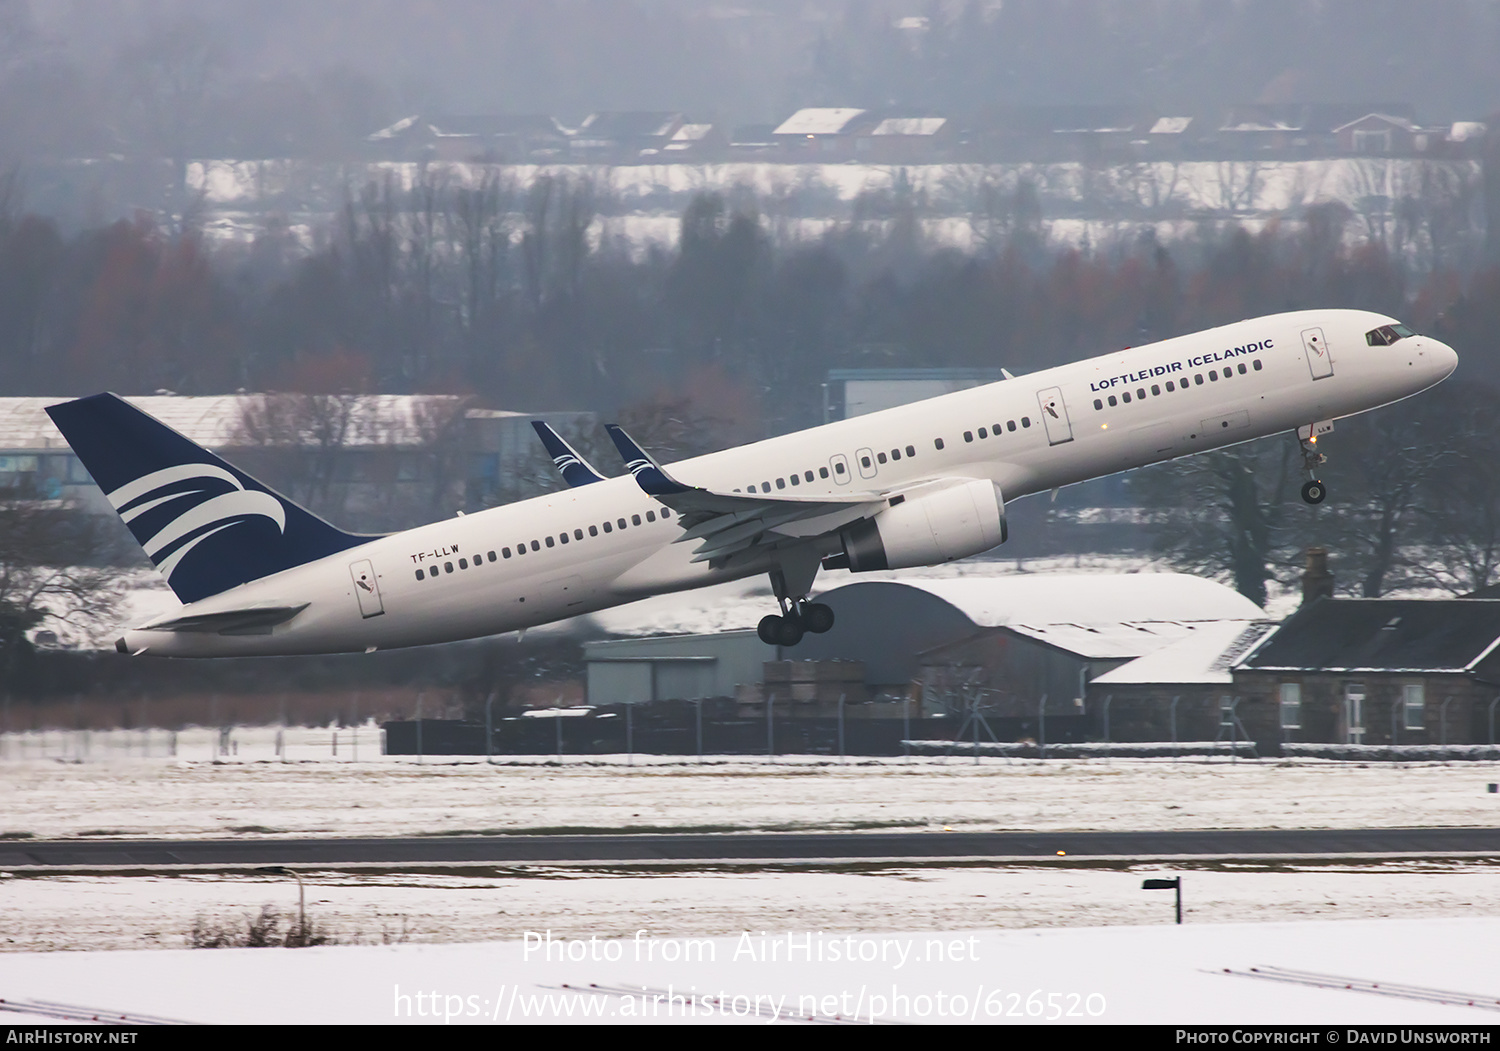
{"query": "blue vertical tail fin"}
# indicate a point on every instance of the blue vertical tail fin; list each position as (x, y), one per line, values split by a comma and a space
(206, 525)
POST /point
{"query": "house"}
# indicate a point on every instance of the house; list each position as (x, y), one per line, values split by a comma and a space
(826, 133)
(1375, 671)
(624, 137)
(492, 138)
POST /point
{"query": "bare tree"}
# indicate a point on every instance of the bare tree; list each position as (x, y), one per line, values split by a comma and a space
(1227, 511)
(41, 578)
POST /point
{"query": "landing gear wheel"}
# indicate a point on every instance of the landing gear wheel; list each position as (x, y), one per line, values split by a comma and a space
(789, 632)
(1314, 492)
(817, 618)
(769, 629)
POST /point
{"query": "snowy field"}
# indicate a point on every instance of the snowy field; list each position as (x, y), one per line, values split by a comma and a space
(1403, 973)
(319, 794)
(1077, 929)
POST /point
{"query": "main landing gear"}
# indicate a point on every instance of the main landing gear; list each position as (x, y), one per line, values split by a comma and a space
(1313, 490)
(798, 615)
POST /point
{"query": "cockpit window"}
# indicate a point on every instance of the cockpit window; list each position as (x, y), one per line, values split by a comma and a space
(1385, 335)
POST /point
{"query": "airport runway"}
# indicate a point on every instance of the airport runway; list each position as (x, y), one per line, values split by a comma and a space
(740, 848)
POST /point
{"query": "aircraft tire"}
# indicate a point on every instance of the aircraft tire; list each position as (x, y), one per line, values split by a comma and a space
(769, 629)
(817, 618)
(1314, 492)
(790, 631)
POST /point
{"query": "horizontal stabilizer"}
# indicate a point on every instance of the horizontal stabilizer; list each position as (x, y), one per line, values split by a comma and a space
(252, 620)
(575, 469)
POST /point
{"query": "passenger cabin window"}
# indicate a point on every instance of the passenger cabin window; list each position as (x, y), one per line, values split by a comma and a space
(1025, 421)
(937, 443)
(911, 450)
(880, 457)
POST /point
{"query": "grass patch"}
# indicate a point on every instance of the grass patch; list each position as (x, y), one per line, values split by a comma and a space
(256, 829)
(258, 932)
(17, 835)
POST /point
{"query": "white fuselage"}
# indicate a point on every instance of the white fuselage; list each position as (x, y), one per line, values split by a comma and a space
(1027, 435)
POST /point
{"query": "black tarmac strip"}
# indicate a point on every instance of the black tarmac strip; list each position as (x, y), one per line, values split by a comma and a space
(741, 848)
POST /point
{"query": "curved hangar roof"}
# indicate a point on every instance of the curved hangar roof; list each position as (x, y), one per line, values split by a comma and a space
(1079, 598)
(887, 623)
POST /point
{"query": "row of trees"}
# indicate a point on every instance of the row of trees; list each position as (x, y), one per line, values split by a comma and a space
(512, 294)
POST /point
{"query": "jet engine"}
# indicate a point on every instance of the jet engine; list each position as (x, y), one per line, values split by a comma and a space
(926, 529)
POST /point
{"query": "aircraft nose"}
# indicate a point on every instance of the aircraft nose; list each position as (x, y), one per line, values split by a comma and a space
(1442, 358)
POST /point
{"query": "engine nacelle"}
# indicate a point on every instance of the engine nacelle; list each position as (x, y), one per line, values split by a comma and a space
(928, 529)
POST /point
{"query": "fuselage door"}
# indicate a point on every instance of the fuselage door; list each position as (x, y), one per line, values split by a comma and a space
(1055, 415)
(1319, 361)
(838, 463)
(866, 459)
(366, 588)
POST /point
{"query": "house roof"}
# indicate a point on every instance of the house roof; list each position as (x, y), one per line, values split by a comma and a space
(630, 124)
(1390, 635)
(1205, 656)
(818, 121)
(1386, 118)
(910, 126)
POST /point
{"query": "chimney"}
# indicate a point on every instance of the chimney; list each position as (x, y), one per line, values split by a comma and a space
(1317, 581)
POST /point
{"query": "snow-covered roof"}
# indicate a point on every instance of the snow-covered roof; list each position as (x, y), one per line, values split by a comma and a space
(817, 121)
(1204, 655)
(692, 132)
(1464, 130)
(1171, 125)
(1037, 600)
(219, 421)
(1400, 122)
(394, 130)
(910, 126)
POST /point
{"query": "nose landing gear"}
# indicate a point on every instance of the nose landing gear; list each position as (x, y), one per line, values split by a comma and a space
(1313, 490)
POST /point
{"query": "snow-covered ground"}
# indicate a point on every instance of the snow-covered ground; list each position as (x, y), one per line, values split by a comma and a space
(115, 912)
(1423, 922)
(1425, 973)
(324, 795)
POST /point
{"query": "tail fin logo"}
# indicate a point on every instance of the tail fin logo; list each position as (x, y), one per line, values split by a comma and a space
(218, 501)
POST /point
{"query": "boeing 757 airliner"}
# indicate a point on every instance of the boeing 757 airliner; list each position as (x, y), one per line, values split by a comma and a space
(916, 485)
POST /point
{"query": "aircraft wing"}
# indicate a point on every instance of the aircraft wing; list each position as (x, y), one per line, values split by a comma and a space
(575, 469)
(729, 523)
